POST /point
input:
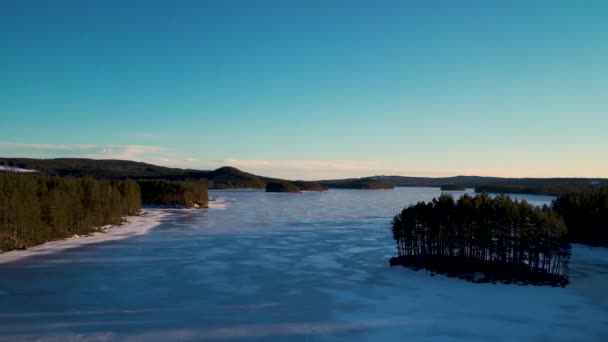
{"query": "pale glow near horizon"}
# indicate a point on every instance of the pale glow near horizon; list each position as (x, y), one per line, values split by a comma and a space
(309, 169)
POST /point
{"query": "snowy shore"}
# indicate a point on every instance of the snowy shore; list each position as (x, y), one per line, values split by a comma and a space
(134, 225)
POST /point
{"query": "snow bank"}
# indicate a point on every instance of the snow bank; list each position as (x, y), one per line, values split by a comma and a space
(219, 203)
(15, 169)
(135, 225)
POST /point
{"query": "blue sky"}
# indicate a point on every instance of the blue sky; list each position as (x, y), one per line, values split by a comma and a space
(311, 89)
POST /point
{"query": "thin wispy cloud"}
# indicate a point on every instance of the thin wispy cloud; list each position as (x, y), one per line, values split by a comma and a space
(132, 152)
(157, 155)
(13, 145)
(74, 147)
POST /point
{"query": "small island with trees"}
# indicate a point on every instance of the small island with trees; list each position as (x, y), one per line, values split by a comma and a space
(453, 187)
(294, 186)
(545, 190)
(310, 186)
(483, 239)
(282, 187)
(177, 194)
(359, 184)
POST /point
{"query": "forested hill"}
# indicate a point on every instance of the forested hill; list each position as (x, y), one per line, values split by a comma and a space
(478, 181)
(222, 178)
(225, 177)
(539, 186)
(232, 178)
(107, 169)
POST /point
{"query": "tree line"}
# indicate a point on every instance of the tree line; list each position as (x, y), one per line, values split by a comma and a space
(586, 215)
(546, 189)
(190, 194)
(361, 184)
(453, 187)
(282, 187)
(36, 208)
(500, 238)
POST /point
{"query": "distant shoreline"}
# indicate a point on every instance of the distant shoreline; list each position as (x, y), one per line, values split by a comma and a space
(134, 225)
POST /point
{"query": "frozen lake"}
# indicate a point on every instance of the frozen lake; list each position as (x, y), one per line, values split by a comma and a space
(275, 267)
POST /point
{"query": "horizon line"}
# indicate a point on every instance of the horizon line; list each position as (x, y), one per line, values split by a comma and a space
(324, 179)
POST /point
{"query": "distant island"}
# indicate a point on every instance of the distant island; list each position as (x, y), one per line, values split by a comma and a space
(453, 187)
(546, 189)
(310, 186)
(361, 184)
(282, 187)
(177, 194)
(551, 186)
(294, 186)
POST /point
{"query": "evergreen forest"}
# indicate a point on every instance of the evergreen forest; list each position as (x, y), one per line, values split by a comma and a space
(586, 216)
(282, 187)
(36, 208)
(160, 192)
(482, 238)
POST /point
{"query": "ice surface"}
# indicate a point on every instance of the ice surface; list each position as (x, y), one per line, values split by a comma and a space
(277, 268)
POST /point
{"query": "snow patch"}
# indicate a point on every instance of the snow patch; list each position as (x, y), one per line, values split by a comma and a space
(15, 169)
(218, 203)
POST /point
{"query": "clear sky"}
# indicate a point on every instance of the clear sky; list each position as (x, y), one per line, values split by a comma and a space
(311, 89)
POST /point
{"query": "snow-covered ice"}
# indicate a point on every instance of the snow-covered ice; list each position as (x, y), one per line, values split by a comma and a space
(277, 268)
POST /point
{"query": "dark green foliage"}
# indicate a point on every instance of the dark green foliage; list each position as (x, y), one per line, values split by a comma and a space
(310, 186)
(466, 181)
(106, 169)
(282, 187)
(162, 192)
(511, 240)
(549, 190)
(222, 178)
(586, 215)
(35, 208)
(541, 186)
(453, 187)
(361, 184)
